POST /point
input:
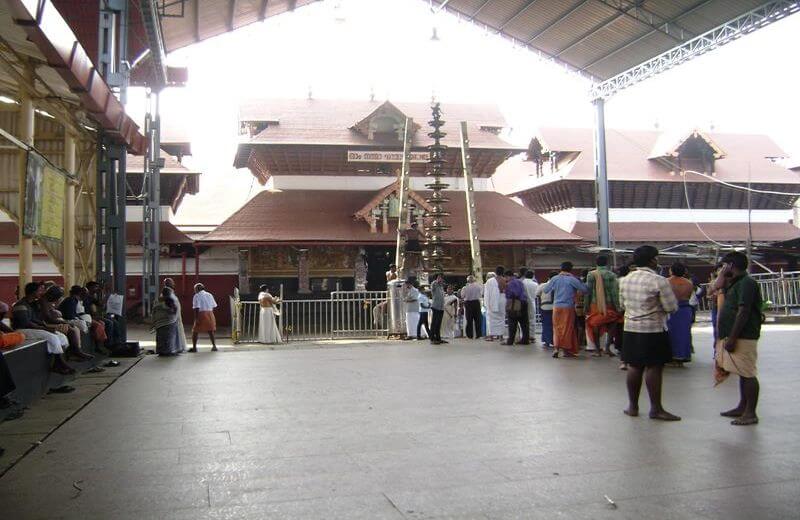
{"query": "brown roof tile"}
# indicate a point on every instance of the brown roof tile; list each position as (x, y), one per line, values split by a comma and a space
(327, 216)
(329, 122)
(628, 153)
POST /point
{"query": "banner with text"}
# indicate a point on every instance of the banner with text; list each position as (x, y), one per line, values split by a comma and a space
(44, 199)
(384, 156)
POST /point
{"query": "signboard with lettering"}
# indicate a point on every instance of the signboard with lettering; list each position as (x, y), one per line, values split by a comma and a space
(379, 156)
(44, 199)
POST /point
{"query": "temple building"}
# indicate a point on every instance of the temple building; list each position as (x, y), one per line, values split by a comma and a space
(684, 192)
(330, 213)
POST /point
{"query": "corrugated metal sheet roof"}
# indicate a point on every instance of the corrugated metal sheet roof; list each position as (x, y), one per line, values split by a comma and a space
(600, 38)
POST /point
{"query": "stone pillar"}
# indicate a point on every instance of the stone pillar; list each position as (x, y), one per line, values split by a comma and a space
(69, 212)
(360, 270)
(25, 134)
(303, 280)
(530, 259)
(244, 278)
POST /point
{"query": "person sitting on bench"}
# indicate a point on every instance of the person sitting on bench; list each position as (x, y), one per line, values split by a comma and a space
(24, 320)
(54, 321)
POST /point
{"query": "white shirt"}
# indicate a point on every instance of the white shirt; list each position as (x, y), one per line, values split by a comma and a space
(203, 301)
(530, 286)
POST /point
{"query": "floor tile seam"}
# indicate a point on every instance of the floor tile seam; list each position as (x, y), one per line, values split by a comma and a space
(706, 490)
(304, 499)
(67, 419)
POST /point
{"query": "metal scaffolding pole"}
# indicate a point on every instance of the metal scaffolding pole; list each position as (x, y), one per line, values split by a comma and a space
(111, 189)
(601, 175)
(472, 216)
(402, 193)
(151, 206)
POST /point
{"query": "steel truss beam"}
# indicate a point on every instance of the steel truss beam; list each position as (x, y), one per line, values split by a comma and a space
(158, 54)
(644, 16)
(636, 40)
(749, 22)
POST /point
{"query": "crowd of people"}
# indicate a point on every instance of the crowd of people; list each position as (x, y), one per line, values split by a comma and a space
(45, 312)
(639, 312)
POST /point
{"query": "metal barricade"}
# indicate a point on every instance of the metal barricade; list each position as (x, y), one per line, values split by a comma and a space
(345, 314)
(780, 290)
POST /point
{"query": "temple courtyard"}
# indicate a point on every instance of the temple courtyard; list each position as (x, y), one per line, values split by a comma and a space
(405, 430)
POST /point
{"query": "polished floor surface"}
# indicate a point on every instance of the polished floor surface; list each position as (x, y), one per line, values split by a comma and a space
(407, 430)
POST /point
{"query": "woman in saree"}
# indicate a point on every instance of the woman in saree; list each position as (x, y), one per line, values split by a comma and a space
(267, 327)
(450, 313)
(165, 324)
(679, 322)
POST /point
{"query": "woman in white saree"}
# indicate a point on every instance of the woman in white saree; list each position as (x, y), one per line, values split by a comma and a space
(267, 327)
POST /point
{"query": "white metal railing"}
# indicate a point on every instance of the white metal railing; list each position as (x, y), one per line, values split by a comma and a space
(781, 290)
(345, 314)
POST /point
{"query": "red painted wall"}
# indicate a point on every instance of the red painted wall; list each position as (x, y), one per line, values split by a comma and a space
(221, 286)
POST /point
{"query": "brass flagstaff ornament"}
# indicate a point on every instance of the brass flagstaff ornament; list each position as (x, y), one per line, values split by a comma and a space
(434, 219)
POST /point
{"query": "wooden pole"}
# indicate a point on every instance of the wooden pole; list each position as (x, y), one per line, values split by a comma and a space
(472, 216)
(69, 212)
(26, 128)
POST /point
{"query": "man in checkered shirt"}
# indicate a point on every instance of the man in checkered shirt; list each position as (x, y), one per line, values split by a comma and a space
(648, 299)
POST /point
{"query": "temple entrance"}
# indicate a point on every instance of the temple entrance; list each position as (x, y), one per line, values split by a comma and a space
(378, 260)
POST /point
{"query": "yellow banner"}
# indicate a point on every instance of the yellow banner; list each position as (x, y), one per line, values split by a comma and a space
(51, 205)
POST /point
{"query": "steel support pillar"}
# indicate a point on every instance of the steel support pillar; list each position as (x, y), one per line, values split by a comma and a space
(26, 135)
(402, 195)
(111, 189)
(111, 195)
(601, 176)
(69, 211)
(476, 265)
(151, 206)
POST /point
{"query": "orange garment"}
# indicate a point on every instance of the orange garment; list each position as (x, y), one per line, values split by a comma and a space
(564, 332)
(11, 339)
(99, 331)
(682, 287)
(599, 322)
(205, 322)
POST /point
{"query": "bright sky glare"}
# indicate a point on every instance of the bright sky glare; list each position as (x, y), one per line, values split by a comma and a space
(347, 49)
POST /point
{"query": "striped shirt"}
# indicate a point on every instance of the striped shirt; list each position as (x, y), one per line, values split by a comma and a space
(648, 299)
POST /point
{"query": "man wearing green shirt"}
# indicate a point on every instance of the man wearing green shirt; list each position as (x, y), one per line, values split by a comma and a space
(601, 306)
(739, 329)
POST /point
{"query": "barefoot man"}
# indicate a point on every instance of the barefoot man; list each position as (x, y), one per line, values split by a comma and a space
(648, 299)
(739, 330)
(203, 304)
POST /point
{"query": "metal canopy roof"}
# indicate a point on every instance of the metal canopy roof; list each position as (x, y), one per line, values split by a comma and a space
(189, 21)
(616, 43)
(600, 38)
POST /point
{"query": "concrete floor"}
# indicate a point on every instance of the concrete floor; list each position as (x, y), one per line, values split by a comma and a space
(469, 430)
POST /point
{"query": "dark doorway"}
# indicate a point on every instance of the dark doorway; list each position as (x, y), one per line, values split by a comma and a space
(378, 260)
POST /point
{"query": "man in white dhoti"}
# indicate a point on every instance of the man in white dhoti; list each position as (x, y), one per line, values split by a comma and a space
(495, 306)
(411, 300)
(530, 285)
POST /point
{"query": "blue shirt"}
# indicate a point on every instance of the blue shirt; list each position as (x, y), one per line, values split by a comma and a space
(424, 303)
(564, 287)
(515, 290)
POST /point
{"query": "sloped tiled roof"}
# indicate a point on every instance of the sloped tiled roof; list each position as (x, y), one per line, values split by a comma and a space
(628, 152)
(329, 122)
(327, 216)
